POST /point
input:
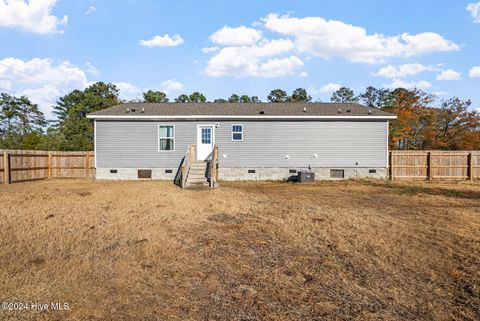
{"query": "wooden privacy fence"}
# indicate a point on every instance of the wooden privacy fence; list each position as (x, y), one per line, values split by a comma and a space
(28, 165)
(434, 164)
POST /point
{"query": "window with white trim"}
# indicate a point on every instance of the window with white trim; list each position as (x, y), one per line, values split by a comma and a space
(237, 132)
(166, 138)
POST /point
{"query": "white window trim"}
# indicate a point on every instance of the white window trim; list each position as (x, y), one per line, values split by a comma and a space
(237, 140)
(199, 137)
(173, 138)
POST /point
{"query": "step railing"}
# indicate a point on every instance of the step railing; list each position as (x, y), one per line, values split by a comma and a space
(213, 167)
(190, 156)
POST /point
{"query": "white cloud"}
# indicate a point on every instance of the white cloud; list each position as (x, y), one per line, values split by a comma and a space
(448, 74)
(243, 51)
(90, 10)
(330, 87)
(303, 74)
(240, 36)
(474, 9)
(41, 79)
(396, 83)
(5, 85)
(441, 93)
(41, 71)
(171, 85)
(33, 16)
(474, 72)
(44, 97)
(162, 41)
(332, 38)
(401, 71)
(210, 49)
(280, 66)
(91, 68)
(255, 60)
(127, 91)
(325, 89)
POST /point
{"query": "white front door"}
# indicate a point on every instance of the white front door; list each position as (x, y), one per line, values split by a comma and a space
(205, 137)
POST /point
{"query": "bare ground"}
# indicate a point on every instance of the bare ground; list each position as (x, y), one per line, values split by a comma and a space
(246, 251)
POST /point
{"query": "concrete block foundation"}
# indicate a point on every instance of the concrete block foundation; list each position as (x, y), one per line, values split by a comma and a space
(249, 174)
(132, 173)
(321, 173)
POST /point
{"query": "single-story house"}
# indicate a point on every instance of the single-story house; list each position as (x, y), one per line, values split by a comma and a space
(250, 141)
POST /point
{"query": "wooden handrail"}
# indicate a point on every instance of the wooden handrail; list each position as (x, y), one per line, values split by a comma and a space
(189, 156)
(215, 155)
(214, 167)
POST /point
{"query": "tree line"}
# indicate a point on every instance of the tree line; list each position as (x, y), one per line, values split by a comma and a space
(275, 96)
(422, 122)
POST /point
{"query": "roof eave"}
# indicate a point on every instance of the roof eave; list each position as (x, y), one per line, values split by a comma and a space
(246, 117)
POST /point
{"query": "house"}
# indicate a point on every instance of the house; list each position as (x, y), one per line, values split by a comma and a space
(257, 141)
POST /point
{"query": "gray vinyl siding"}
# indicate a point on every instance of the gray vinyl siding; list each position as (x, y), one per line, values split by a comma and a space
(134, 144)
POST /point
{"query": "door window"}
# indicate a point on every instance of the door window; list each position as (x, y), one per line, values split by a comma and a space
(206, 135)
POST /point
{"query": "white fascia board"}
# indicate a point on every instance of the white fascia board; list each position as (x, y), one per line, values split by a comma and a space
(193, 117)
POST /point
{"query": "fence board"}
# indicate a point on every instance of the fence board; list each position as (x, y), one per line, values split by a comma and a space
(410, 164)
(72, 165)
(476, 165)
(435, 164)
(27, 165)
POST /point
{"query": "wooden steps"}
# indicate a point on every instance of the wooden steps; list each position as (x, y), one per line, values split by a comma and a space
(197, 175)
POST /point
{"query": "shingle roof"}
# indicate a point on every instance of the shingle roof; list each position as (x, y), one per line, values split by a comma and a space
(239, 109)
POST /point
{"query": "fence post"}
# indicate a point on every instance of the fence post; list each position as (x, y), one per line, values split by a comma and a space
(87, 164)
(470, 166)
(49, 165)
(429, 165)
(6, 168)
(391, 166)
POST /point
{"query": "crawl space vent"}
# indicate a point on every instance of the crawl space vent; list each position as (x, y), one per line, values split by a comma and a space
(337, 173)
(144, 173)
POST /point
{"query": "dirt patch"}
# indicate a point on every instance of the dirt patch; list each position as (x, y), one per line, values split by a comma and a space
(365, 250)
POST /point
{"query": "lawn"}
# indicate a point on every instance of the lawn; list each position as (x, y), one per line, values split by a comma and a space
(366, 250)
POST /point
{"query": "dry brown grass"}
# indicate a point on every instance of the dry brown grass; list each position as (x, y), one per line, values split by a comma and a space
(246, 251)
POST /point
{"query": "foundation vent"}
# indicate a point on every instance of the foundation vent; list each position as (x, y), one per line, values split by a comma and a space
(144, 173)
(337, 173)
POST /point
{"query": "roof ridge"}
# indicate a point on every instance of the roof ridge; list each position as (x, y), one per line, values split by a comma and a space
(212, 109)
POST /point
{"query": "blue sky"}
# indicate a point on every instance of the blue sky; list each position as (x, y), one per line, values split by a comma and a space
(246, 47)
